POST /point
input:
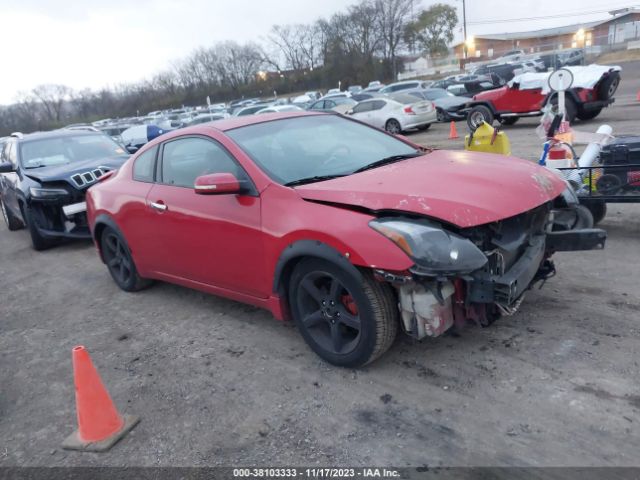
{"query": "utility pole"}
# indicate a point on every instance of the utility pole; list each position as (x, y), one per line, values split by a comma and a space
(464, 27)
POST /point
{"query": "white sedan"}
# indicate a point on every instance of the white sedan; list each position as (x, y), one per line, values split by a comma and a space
(396, 114)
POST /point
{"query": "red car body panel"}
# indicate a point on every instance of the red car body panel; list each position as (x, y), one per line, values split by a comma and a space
(229, 245)
(513, 100)
(461, 188)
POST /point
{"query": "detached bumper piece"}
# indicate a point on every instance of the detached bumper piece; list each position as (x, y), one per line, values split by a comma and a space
(576, 240)
(506, 289)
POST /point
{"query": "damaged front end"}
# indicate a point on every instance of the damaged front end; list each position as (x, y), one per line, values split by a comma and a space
(477, 273)
(59, 211)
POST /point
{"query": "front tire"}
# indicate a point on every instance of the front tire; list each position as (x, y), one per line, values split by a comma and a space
(38, 241)
(117, 256)
(478, 115)
(346, 320)
(11, 221)
(423, 128)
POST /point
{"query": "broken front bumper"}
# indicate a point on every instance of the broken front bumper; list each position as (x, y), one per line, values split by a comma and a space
(505, 289)
(428, 305)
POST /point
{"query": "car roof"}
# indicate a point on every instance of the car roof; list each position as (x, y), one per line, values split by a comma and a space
(57, 134)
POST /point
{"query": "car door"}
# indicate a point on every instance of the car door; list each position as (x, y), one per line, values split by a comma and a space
(378, 115)
(209, 239)
(10, 180)
(319, 105)
(362, 111)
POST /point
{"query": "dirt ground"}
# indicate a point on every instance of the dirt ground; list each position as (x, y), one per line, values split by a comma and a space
(220, 383)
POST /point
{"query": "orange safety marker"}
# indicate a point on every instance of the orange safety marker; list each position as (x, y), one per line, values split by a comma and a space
(453, 131)
(638, 96)
(100, 425)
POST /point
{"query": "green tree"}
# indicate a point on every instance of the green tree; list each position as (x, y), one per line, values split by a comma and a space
(433, 29)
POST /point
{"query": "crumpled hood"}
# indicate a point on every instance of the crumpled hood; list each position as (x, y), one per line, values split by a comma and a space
(65, 172)
(461, 188)
(450, 102)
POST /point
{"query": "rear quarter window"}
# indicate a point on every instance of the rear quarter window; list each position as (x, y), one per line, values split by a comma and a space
(143, 166)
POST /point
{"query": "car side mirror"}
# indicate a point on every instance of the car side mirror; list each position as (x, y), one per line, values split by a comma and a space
(132, 148)
(217, 184)
(349, 112)
(6, 167)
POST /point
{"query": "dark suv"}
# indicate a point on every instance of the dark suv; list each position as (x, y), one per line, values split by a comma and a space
(44, 178)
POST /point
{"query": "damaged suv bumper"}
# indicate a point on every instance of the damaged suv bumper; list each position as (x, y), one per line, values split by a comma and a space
(56, 219)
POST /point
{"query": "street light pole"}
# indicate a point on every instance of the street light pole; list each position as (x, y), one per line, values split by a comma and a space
(464, 27)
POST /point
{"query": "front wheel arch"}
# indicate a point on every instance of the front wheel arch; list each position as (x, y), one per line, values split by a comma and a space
(297, 251)
(101, 222)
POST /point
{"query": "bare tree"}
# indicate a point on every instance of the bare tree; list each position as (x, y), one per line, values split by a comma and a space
(393, 18)
(52, 98)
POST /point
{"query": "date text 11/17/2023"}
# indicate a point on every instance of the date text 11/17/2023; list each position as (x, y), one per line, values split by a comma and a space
(315, 473)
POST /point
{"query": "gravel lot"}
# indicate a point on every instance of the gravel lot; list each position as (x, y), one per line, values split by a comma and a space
(220, 383)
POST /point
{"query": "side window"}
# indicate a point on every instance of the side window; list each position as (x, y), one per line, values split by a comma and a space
(362, 107)
(143, 166)
(10, 151)
(317, 105)
(4, 157)
(186, 159)
(329, 104)
(378, 104)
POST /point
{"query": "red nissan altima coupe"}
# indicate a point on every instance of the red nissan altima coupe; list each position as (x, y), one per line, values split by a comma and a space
(348, 230)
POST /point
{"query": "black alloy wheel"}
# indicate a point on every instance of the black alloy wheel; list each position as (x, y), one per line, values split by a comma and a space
(347, 319)
(120, 263)
(329, 313)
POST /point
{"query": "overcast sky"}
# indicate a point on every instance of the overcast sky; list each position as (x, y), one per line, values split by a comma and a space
(90, 44)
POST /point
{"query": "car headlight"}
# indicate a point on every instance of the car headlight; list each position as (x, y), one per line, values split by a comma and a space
(48, 193)
(434, 250)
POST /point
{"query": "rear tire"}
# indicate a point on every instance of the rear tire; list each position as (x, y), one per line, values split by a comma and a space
(12, 222)
(345, 320)
(478, 115)
(393, 126)
(589, 115)
(117, 256)
(570, 107)
(441, 116)
(509, 120)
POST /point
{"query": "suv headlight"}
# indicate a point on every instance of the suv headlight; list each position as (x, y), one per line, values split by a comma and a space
(48, 193)
(434, 250)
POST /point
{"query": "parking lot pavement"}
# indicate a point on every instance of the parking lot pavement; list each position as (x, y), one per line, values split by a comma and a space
(221, 383)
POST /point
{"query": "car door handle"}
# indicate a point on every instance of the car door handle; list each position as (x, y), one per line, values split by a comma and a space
(161, 207)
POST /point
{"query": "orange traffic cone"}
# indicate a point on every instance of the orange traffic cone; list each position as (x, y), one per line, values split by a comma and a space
(100, 425)
(638, 96)
(453, 131)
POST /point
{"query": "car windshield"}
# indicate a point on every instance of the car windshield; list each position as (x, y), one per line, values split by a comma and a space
(292, 149)
(68, 149)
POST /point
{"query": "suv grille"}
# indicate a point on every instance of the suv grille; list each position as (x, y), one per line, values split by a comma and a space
(82, 180)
